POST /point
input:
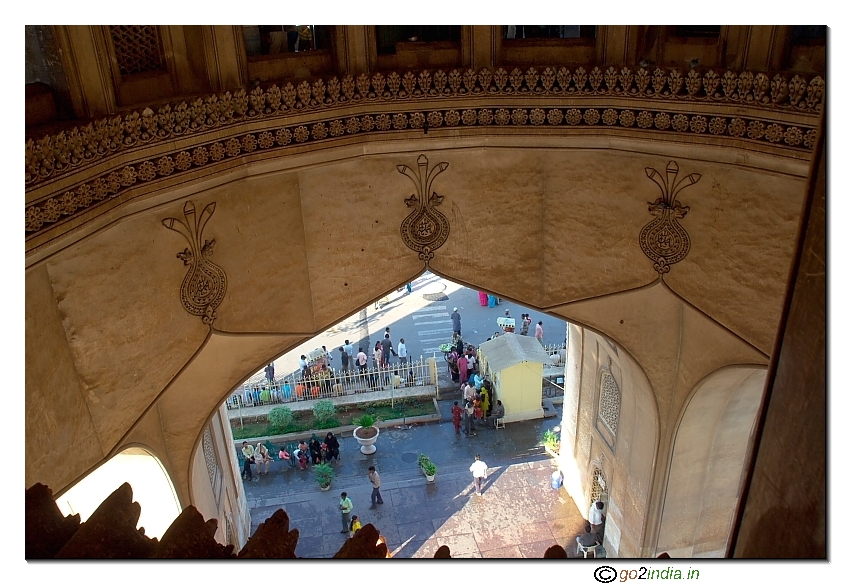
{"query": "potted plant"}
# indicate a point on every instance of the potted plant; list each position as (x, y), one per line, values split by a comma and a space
(551, 442)
(366, 433)
(422, 460)
(430, 470)
(324, 476)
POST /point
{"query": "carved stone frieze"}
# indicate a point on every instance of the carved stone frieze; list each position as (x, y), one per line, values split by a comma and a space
(110, 184)
(663, 239)
(57, 154)
(205, 284)
(425, 229)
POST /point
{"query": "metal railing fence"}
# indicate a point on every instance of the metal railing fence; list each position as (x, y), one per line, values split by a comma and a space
(293, 387)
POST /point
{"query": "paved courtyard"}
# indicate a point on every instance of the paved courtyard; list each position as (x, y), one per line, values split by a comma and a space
(519, 514)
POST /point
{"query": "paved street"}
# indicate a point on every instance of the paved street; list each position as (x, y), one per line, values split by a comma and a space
(518, 515)
(423, 323)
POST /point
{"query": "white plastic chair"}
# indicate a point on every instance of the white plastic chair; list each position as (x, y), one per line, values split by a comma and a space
(500, 423)
(584, 550)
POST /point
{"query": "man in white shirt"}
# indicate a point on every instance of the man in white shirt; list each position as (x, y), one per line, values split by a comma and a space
(349, 350)
(362, 359)
(402, 352)
(479, 473)
(595, 517)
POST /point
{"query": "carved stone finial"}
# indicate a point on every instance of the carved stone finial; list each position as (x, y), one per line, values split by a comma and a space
(205, 284)
(425, 229)
(663, 239)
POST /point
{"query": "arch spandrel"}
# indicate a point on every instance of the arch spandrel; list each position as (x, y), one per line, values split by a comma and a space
(292, 238)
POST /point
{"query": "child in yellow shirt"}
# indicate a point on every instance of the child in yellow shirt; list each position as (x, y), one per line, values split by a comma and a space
(355, 526)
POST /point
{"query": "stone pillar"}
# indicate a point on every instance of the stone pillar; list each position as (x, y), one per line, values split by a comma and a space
(785, 490)
(227, 64)
(87, 70)
(352, 50)
(569, 466)
(483, 46)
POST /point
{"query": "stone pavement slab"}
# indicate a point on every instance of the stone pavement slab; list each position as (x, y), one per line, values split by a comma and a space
(518, 515)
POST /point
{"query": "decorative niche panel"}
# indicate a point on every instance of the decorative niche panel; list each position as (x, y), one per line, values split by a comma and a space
(138, 48)
(608, 404)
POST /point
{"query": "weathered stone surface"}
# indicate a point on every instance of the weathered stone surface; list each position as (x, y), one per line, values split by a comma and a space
(272, 539)
(47, 531)
(189, 537)
(110, 532)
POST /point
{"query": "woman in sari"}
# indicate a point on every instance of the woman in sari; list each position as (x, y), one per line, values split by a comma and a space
(462, 366)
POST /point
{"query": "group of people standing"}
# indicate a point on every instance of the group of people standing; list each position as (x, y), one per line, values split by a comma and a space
(478, 408)
(259, 456)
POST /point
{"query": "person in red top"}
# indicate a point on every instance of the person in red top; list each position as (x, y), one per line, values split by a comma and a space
(457, 412)
(477, 411)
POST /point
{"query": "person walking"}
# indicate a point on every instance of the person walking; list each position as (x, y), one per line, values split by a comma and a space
(468, 416)
(402, 352)
(386, 349)
(526, 322)
(479, 473)
(538, 331)
(378, 354)
(345, 506)
(344, 357)
(349, 350)
(456, 322)
(376, 486)
(457, 414)
(362, 360)
(409, 288)
(270, 373)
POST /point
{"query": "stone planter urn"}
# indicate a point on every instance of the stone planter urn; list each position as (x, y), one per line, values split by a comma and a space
(366, 438)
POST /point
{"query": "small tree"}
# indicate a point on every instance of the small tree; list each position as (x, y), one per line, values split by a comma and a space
(280, 417)
(323, 410)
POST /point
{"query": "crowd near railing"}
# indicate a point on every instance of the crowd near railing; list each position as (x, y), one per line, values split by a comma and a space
(554, 348)
(258, 390)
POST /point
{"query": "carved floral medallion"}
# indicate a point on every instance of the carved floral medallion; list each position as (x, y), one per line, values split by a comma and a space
(204, 286)
(663, 239)
(425, 229)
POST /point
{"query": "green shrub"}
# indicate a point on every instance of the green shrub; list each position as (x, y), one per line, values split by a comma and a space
(429, 468)
(324, 474)
(365, 420)
(328, 423)
(324, 410)
(551, 439)
(422, 460)
(280, 417)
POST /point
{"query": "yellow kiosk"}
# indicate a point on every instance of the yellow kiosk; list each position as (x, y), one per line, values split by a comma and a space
(514, 364)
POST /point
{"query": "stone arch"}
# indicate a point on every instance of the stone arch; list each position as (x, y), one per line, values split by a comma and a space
(322, 274)
(712, 443)
(152, 487)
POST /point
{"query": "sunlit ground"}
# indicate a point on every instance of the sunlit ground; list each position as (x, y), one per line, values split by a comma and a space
(151, 489)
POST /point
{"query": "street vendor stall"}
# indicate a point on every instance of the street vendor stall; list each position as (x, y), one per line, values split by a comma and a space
(514, 364)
